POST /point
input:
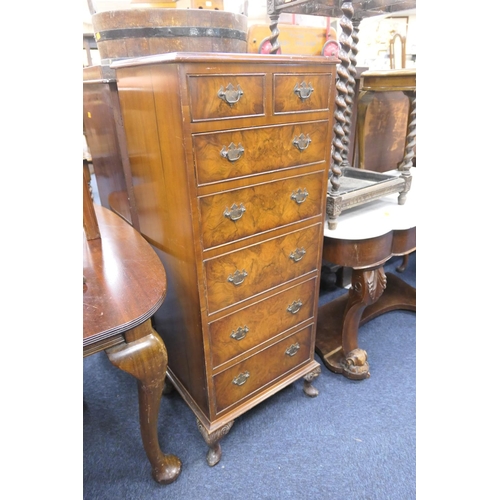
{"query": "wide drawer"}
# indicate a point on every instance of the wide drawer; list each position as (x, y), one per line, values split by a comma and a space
(259, 370)
(237, 333)
(225, 96)
(301, 92)
(231, 215)
(239, 275)
(236, 153)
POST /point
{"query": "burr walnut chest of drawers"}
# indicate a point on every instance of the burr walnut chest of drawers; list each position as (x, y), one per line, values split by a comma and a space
(229, 157)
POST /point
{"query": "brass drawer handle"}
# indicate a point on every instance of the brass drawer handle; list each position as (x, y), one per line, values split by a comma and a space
(237, 278)
(240, 333)
(294, 307)
(299, 196)
(232, 153)
(302, 142)
(303, 90)
(235, 213)
(231, 95)
(241, 378)
(293, 349)
(297, 254)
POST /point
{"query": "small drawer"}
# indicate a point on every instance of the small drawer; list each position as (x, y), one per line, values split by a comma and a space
(301, 92)
(259, 370)
(238, 153)
(234, 334)
(241, 274)
(231, 215)
(213, 97)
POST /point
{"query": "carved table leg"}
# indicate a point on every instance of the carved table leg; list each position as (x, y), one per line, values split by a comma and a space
(398, 295)
(342, 355)
(144, 356)
(311, 391)
(212, 439)
(367, 287)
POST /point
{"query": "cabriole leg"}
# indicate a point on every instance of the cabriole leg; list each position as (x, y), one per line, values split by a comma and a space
(144, 356)
(212, 439)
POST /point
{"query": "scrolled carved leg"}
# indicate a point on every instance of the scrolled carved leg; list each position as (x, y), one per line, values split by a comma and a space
(308, 388)
(367, 287)
(212, 439)
(144, 356)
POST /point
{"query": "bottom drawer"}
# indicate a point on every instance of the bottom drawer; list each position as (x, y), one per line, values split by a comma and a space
(250, 375)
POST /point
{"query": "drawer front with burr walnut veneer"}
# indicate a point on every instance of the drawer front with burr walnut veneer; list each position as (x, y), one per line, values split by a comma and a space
(229, 156)
(242, 331)
(233, 214)
(262, 368)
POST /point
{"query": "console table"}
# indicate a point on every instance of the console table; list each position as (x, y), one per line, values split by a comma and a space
(367, 238)
(124, 285)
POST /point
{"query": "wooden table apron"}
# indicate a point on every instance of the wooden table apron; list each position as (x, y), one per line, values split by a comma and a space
(371, 294)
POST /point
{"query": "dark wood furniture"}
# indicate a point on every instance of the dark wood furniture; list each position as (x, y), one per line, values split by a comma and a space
(384, 132)
(103, 128)
(369, 236)
(230, 161)
(124, 284)
(333, 8)
(400, 128)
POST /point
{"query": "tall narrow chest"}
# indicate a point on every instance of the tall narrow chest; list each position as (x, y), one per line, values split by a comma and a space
(229, 158)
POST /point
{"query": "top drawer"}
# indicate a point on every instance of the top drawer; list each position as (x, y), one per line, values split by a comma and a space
(226, 96)
(301, 92)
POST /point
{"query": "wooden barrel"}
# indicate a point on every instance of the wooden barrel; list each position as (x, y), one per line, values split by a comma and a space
(140, 32)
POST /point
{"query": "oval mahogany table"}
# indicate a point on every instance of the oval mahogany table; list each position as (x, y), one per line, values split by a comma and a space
(366, 237)
(124, 285)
